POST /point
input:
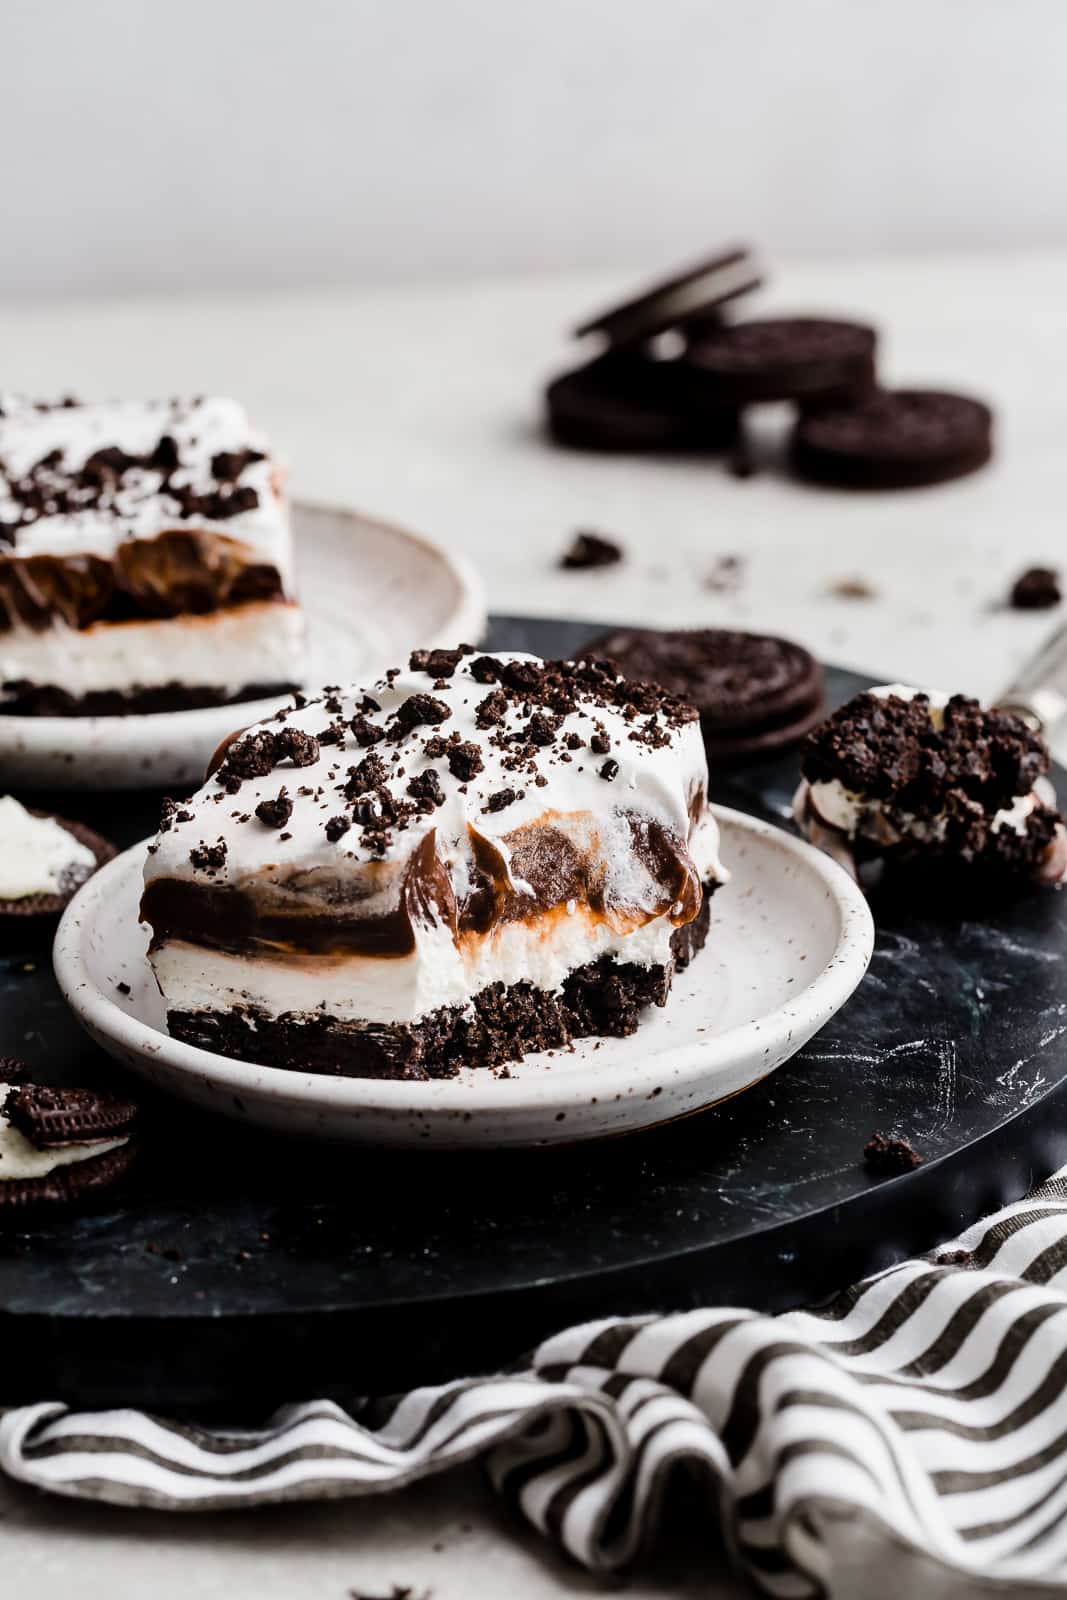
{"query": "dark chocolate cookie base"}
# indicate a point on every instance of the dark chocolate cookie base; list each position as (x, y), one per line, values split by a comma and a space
(604, 998)
(42, 700)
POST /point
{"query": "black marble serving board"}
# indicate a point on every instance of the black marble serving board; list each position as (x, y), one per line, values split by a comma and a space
(237, 1271)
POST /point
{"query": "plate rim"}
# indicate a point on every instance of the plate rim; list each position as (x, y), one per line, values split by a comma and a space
(445, 1098)
(469, 617)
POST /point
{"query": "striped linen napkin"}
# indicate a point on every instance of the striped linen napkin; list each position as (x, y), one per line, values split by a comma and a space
(927, 1404)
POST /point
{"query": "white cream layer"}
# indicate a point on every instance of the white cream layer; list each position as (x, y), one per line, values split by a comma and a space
(391, 989)
(37, 855)
(20, 1159)
(259, 642)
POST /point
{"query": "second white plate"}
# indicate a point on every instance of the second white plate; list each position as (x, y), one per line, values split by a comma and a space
(372, 594)
(790, 939)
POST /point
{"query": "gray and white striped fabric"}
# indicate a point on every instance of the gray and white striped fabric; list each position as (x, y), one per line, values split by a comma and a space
(929, 1402)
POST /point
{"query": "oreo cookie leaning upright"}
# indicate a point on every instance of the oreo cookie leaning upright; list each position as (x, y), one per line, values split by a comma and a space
(58, 1147)
(811, 360)
(756, 693)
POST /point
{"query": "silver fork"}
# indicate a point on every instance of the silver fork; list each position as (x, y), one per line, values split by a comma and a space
(1038, 692)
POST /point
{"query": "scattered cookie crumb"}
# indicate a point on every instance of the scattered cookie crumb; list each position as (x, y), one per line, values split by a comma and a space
(887, 1157)
(123, 988)
(1036, 589)
(591, 550)
(954, 1258)
(853, 589)
(725, 576)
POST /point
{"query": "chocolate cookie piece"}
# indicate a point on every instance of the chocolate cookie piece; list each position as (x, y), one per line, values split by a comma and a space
(39, 911)
(1036, 589)
(590, 550)
(71, 1185)
(894, 439)
(695, 293)
(808, 359)
(52, 1118)
(629, 401)
(755, 693)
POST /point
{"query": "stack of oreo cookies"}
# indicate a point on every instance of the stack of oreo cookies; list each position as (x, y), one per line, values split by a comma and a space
(848, 432)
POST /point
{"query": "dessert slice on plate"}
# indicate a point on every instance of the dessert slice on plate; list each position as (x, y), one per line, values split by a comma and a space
(145, 559)
(477, 857)
(920, 778)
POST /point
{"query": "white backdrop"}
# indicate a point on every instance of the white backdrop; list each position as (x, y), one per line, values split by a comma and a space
(234, 143)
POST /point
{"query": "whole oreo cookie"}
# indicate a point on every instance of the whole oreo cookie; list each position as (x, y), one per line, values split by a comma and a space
(894, 439)
(629, 401)
(756, 694)
(808, 359)
(695, 293)
(58, 1147)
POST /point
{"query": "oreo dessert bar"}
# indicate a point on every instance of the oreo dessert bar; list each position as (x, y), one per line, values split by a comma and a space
(145, 559)
(480, 856)
(904, 775)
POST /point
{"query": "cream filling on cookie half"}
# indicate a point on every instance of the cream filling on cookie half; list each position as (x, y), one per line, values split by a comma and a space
(21, 1159)
(37, 855)
(260, 641)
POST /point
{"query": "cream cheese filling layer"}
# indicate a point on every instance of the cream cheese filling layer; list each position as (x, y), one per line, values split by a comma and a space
(398, 989)
(259, 642)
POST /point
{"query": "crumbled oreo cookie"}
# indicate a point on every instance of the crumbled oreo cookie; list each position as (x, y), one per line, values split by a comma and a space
(954, 785)
(590, 550)
(59, 1147)
(1036, 589)
(888, 1157)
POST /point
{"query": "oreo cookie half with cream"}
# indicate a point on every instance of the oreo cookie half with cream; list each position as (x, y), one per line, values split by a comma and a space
(756, 694)
(920, 778)
(695, 293)
(44, 860)
(59, 1147)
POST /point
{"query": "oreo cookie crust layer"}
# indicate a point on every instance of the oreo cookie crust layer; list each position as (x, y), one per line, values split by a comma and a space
(905, 776)
(755, 693)
(473, 858)
(144, 552)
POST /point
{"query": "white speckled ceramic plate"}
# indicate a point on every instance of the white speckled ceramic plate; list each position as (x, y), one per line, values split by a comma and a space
(790, 939)
(372, 594)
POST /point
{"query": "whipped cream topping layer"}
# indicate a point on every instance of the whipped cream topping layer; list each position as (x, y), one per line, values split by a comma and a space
(21, 1159)
(83, 479)
(473, 819)
(37, 855)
